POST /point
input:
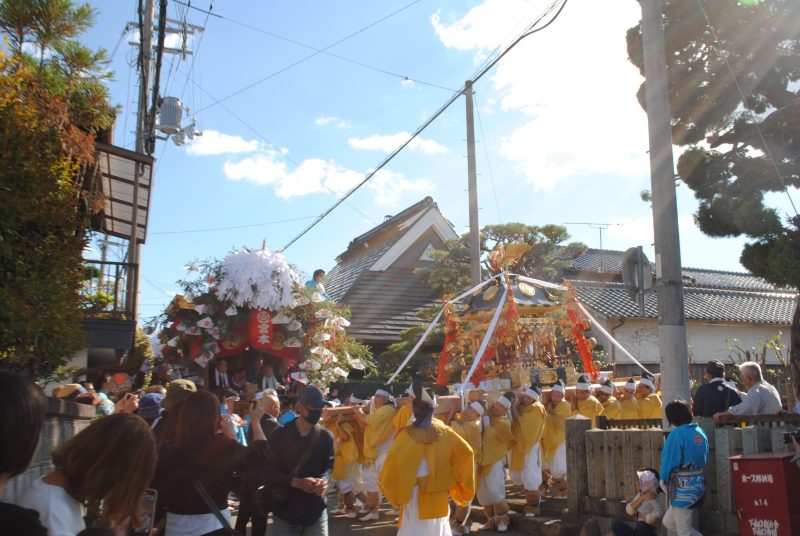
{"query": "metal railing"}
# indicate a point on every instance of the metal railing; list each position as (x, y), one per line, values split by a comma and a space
(105, 289)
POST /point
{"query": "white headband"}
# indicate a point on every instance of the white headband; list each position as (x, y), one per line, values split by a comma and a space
(647, 383)
(505, 402)
(583, 386)
(558, 388)
(631, 385)
(531, 393)
(381, 392)
(607, 389)
(477, 407)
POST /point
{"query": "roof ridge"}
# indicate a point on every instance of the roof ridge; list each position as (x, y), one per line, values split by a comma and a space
(424, 203)
(706, 288)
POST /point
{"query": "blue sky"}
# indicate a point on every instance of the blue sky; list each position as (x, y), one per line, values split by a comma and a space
(561, 135)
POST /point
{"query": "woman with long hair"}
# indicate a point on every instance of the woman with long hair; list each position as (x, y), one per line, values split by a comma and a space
(204, 449)
(103, 470)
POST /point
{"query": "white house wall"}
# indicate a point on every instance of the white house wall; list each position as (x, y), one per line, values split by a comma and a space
(706, 340)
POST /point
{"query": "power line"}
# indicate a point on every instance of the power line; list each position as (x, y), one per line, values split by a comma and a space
(197, 49)
(531, 29)
(324, 51)
(488, 163)
(743, 97)
(317, 53)
(262, 224)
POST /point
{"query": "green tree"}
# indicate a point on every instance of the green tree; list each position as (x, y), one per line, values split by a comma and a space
(550, 256)
(51, 106)
(737, 153)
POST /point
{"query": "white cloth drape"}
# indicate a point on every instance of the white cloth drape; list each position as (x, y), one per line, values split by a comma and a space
(530, 477)
(558, 465)
(492, 487)
(372, 472)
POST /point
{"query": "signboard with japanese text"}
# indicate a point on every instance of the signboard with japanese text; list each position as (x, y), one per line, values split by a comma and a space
(260, 329)
(767, 492)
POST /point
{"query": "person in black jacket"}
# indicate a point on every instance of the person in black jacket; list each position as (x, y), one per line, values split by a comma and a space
(714, 396)
(301, 457)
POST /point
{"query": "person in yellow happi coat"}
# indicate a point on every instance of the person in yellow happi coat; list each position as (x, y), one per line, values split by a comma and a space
(345, 463)
(584, 403)
(404, 415)
(467, 424)
(378, 438)
(647, 399)
(627, 399)
(497, 439)
(527, 426)
(554, 449)
(612, 408)
(427, 465)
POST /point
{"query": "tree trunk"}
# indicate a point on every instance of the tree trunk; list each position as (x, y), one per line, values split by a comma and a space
(794, 354)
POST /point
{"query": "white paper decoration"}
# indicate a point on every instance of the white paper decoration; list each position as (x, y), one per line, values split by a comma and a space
(317, 297)
(294, 325)
(231, 311)
(257, 279)
(293, 342)
(281, 318)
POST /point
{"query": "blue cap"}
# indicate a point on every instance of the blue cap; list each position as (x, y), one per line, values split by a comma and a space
(312, 397)
(150, 406)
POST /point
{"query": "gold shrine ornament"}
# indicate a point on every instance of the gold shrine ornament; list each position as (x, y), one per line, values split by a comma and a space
(527, 290)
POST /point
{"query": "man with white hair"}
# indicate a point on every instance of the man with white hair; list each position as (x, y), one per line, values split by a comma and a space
(762, 398)
(528, 418)
(497, 438)
(584, 403)
(627, 399)
(378, 439)
(554, 447)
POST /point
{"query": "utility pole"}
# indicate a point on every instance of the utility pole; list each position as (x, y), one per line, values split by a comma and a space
(474, 229)
(143, 137)
(669, 278)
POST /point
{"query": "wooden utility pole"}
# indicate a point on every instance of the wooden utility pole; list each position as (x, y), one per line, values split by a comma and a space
(474, 228)
(669, 278)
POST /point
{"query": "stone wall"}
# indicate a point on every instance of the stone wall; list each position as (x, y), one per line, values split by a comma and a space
(64, 420)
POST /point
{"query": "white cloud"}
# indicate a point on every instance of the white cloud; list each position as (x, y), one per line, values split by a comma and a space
(407, 83)
(331, 119)
(390, 142)
(213, 142)
(571, 85)
(315, 175)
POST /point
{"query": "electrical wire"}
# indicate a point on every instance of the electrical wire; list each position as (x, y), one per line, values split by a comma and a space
(488, 163)
(119, 41)
(314, 54)
(197, 50)
(212, 229)
(326, 52)
(743, 97)
(531, 29)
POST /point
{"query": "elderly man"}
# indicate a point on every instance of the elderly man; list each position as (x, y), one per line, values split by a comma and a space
(528, 419)
(378, 438)
(716, 395)
(612, 408)
(647, 399)
(762, 398)
(267, 379)
(627, 399)
(584, 403)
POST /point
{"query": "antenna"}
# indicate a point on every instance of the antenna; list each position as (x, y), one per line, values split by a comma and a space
(600, 227)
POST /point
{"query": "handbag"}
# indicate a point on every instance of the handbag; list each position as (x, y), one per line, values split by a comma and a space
(270, 497)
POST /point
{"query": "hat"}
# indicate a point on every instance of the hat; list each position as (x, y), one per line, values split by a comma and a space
(150, 406)
(648, 380)
(583, 383)
(178, 391)
(478, 406)
(383, 391)
(715, 368)
(70, 391)
(506, 399)
(422, 394)
(312, 397)
(558, 387)
(607, 386)
(534, 391)
(630, 385)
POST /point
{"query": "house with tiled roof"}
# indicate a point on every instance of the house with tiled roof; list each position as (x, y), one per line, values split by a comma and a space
(376, 276)
(720, 307)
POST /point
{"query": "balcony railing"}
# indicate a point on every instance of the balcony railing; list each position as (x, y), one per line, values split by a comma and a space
(105, 289)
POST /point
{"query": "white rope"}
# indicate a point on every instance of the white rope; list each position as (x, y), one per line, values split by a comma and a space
(488, 336)
(434, 322)
(613, 341)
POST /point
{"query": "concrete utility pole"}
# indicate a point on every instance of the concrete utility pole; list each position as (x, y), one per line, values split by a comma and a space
(143, 134)
(474, 229)
(669, 277)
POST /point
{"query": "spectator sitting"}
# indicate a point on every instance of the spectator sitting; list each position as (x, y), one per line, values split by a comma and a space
(22, 410)
(267, 380)
(218, 379)
(645, 507)
(105, 469)
(762, 398)
(714, 396)
(150, 407)
(316, 283)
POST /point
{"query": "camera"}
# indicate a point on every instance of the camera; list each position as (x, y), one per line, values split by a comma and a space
(787, 436)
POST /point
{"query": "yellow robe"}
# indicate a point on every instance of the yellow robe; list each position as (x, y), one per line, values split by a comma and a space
(402, 418)
(470, 431)
(650, 407)
(630, 408)
(590, 408)
(378, 431)
(555, 429)
(450, 462)
(345, 449)
(497, 438)
(527, 431)
(612, 408)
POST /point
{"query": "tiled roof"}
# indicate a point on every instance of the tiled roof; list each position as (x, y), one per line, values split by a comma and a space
(390, 221)
(342, 277)
(723, 305)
